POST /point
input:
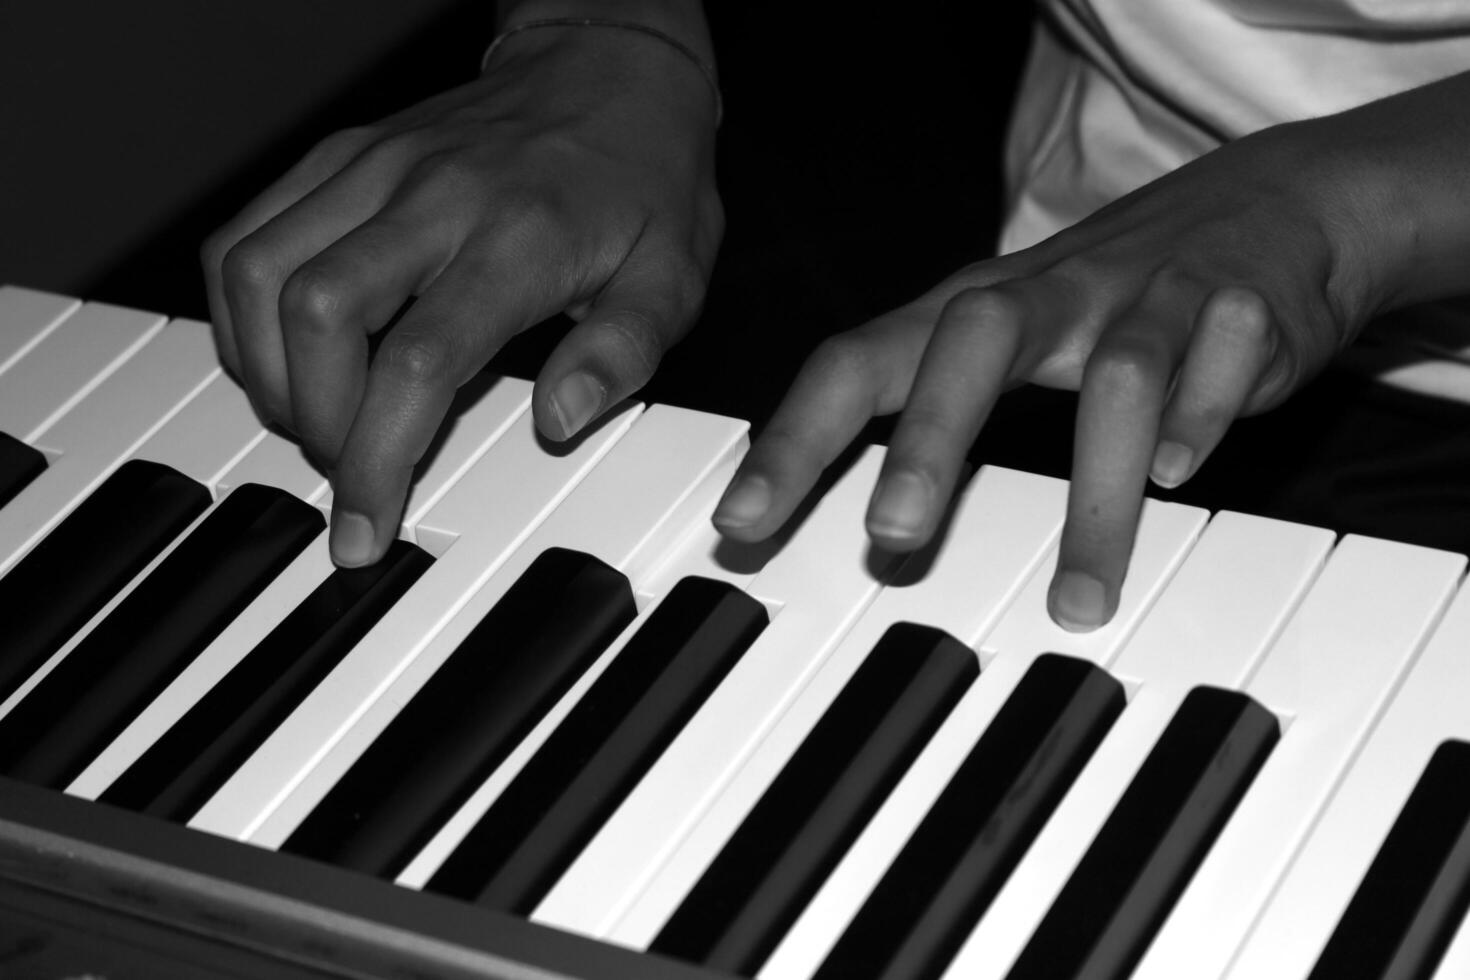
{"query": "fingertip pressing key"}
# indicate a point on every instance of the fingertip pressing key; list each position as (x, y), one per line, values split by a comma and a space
(576, 401)
(745, 502)
(351, 540)
(1171, 464)
(1078, 602)
(900, 510)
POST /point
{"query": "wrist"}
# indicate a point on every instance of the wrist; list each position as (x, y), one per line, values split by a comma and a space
(1402, 162)
(1338, 203)
(682, 20)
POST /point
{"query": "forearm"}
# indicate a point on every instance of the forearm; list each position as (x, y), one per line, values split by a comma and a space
(1405, 226)
(682, 19)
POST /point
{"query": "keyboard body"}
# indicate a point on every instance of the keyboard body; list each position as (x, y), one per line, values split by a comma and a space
(1359, 647)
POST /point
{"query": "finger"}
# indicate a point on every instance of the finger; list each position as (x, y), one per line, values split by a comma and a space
(256, 268)
(330, 305)
(480, 300)
(1230, 347)
(621, 337)
(1124, 387)
(324, 160)
(848, 379)
(965, 366)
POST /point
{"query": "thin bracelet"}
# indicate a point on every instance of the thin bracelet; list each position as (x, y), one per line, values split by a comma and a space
(706, 69)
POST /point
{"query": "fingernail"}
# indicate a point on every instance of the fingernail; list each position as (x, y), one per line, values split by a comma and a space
(352, 539)
(744, 503)
(1078, 602)
(901, 506)
(1171, 463)
(575, 401)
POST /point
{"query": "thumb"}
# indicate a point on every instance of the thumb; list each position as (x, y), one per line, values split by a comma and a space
(642, 312)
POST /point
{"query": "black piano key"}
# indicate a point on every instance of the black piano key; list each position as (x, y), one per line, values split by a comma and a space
(188, 763)
(982, 823)
(513, 666)
(756, 887)
(1162, 827)
(1417, 890)
(19, 465)
(87, 559)
(604, 746)
(153, 634)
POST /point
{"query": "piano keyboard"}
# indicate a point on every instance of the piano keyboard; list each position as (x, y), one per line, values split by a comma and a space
(574, 733)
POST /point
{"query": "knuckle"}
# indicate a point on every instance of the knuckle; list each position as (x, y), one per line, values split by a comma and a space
(982, 307)
(1181, 276)
(842, 358)
(250, 266)
(454, 170)
(391, 154)
(344, 143)
(213, 249)
(1086, 269)
(422, 358)
(1211, 414)
(531, 212)
(314, 301)
(1239, 313)
(1129, 361)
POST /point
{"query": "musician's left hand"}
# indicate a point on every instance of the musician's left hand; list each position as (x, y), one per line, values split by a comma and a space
(576, 175)
(1211, 293)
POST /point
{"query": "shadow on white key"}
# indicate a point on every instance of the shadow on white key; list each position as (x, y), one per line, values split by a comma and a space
(620, 494)
(487, 407)
(821, 580)
(1219, 615)
(1165, 535)
(27, 316)
(1003, 526)
(1336, 674)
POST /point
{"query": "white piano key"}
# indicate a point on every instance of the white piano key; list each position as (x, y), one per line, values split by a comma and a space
(1166, 532)
(821, 579)
(1028, 629)
(275, 460)
(628, 510)
(1003, 527)
(103, 430)
(1335, 672)
(1218, 616)
(208, 435)
(26, 316)
(484, 410)
(66, 364)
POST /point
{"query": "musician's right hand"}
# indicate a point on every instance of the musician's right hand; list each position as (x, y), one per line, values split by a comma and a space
(576, 175)
(1211, 293)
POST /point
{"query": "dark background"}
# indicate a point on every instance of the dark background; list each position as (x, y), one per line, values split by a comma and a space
(859, 163)
(858, 160)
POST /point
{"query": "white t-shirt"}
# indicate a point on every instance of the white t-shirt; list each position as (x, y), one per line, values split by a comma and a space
(1119, 92)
